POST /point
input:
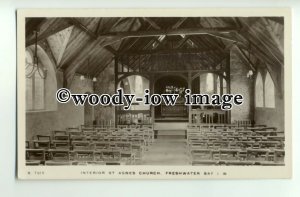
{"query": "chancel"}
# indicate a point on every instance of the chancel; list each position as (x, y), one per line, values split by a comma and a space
(241, 57)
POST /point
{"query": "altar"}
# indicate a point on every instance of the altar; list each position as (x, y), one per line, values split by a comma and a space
(178, 110)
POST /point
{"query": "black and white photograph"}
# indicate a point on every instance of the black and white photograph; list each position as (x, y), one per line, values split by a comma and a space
(92, 88)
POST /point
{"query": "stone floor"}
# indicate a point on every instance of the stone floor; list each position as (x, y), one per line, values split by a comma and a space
(166, 152)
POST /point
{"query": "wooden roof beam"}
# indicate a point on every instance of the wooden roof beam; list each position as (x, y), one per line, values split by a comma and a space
(171, 51)
(182, 42)
(188, 31)
(227, 37)
(46, 34)
(279, 20)
(272, 34)
(248, 61)
(179, 22)
(81, 26)
(81, 56)
(111, 49)
(152, 23)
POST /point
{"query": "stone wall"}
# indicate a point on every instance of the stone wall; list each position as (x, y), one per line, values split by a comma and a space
(273, 117)
(240, 84)
(66, 115)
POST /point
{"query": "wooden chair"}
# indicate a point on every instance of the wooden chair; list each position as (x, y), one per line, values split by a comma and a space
(43, 137)
(35, 156)
(60, 144)
(40, 144)
(59, 155)
(81, 145)
(111, 157)
(59, 132)
(27, 144)
(83, 157)
(101, 145)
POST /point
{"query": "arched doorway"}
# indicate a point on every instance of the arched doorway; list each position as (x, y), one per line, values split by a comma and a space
(138, 112)
(171, 85)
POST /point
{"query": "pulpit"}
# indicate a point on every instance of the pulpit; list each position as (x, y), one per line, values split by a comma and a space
(209, 116)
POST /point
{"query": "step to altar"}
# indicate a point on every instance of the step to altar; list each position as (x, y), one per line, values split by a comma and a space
(170, 130)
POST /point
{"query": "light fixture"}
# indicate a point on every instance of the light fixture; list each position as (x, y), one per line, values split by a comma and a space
(35, 67)
(88, 77)
(250, 74)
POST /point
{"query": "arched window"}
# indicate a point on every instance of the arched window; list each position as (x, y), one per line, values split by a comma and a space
(139, 91)
(210, 83)
(269, 92)
(35, 86)
(259, 92)
(41, 83)
(224, 86)
(135, 84)
(218, 85)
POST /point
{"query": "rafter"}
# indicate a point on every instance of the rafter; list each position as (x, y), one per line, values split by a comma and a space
(33, 25)
(152, 23)
(80, 57)
(170, 51)
(120, 20)
(81, 26)
(272, 34)
(279, 20)
(227, 37)
(259, 39)
(179, 22)
(47, 33)
(182, 42)
(110, 49)
(246, 59)
(188, 31)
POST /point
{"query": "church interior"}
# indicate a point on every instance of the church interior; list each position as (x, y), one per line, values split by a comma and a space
(208, 55)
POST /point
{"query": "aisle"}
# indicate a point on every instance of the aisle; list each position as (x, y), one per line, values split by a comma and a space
(166, 152)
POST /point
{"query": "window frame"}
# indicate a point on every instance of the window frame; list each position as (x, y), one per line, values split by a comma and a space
(274, 91)
(33, 92)
(256, 91)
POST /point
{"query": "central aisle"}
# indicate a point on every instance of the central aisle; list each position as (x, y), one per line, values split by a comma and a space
(166, 152)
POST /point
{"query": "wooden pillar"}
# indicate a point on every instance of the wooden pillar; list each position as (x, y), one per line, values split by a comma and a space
(190, 87)
(152, 111)
(228, 85)
(116, 86)
(221, 85)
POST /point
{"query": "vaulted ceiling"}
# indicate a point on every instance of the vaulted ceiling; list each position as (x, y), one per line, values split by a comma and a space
(88, 45)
